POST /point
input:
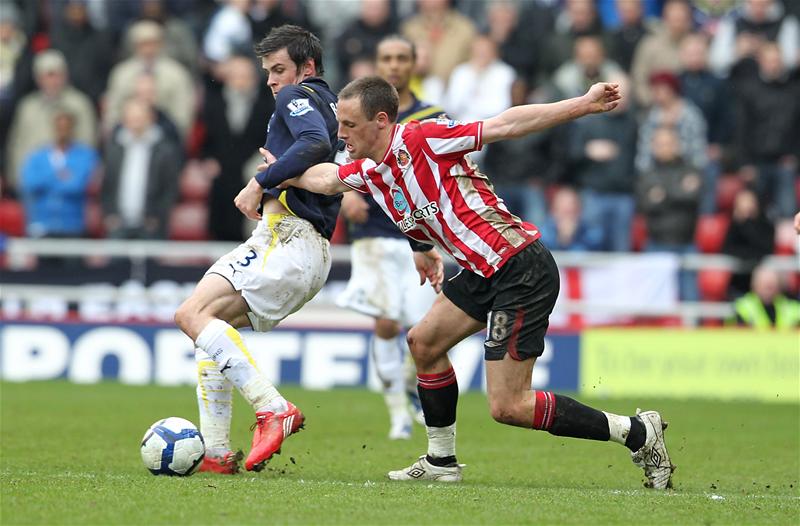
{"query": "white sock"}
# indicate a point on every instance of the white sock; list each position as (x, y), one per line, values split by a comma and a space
(619, 427)
(215, 402)
(388, 363)
(397, 404)
(224, 345)
(442, 441)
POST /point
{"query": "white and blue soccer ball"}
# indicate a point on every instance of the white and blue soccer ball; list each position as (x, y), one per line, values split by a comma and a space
(173, 446)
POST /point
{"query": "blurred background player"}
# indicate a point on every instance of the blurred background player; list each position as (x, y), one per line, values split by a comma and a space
(383, 282)
(278, 269)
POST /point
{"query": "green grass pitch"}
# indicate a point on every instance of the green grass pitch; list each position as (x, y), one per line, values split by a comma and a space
(70, 455)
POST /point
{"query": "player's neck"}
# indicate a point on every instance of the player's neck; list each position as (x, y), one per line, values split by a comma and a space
(382, 144)
(405, 100)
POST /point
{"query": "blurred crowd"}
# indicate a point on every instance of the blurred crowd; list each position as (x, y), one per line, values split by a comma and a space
(142, 118)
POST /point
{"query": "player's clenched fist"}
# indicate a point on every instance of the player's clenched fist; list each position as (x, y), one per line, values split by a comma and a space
(603, 96)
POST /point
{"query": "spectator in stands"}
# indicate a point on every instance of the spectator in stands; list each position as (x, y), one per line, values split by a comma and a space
(15, 65)
(448, 33)
(579, 18)
(54, 182)
(601, 151)
(671, 110)
(89, 52)
(228, 32)
(712, 97)
(141, 178)
(360, 37)
(520, 32)
(480, 87)
(179, 41)
(235, 118)
(264, 15)
(668, 194)
(521, 169)
(588, 65)
(624, 40)
(740, 35)
(174, 86)
(28, 131)
(768, 136)
(750, 238)
(565, 228)
(145, 89)
(765, 307)
(661, 50)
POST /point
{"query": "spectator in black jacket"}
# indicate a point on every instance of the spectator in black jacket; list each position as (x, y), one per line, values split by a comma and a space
(768, 135)
(669, 197)
(626, 37)
(140, 185)
(601, 151)
(712, 96)
(236, 119)
(360, 38)
(750, 237)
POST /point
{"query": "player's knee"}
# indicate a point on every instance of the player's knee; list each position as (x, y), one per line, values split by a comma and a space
(184, 316)
(502, 412)
(386, 329)
(423, 349)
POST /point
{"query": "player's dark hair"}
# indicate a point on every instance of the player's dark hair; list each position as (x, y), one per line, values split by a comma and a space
(301, 45)
(399, 38)
(375, 94)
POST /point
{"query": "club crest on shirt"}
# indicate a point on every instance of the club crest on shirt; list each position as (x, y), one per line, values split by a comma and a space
(298, 107)
(403, 158)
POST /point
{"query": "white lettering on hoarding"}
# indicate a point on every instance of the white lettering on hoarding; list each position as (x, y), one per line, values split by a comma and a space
(33, 352)
(89, 350)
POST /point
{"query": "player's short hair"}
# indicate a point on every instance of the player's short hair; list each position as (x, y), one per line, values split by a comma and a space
(400, 38)
(375, 94)
(301, 45)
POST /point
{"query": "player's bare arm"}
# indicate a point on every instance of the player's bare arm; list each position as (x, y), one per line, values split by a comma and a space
(523, 120)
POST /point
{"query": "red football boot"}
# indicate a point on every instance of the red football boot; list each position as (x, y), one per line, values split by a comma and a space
(270, 431)
(227, 464)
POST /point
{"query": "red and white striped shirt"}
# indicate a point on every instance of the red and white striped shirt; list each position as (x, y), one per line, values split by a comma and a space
(434, 194)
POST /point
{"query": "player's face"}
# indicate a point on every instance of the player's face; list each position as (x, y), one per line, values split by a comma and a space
(395, 63)
(359, 134)
(282, 71)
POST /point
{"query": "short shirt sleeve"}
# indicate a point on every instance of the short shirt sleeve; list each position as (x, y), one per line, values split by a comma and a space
(351, 174)
(452, 139)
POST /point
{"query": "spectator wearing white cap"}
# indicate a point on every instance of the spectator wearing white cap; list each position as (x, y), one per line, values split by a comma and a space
(28, 129)
(175, 93)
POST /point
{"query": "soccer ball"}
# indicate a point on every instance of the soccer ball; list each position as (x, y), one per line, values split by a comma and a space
(173, 446)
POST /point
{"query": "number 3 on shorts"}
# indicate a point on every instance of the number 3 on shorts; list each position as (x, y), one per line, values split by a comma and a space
(247, 259)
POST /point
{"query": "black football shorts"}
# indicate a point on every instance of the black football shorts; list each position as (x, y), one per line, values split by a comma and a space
(515, 302)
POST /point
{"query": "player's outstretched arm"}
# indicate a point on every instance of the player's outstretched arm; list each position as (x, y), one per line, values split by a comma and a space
(320, 179)
(523, 120)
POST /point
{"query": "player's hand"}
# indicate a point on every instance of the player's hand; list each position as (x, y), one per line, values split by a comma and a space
(354, 207)
(430, 266)
(249, 199)
(602, 97)
(269, 159)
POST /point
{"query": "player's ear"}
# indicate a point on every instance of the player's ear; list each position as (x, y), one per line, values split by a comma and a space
(383, 119)
(309, 69)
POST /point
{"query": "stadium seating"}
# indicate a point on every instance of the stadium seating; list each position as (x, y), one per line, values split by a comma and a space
(12, 218)
(713, 284)
(710, 232)
(727, 188)
(189, 222)
(194, 182)
(638, 233)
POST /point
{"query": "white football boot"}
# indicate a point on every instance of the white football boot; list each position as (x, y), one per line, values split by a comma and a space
(424, 470)
(653, 456)
(401, 426)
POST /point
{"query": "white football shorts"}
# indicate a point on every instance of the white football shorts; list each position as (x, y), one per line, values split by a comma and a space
(384, 282)
(283, 264)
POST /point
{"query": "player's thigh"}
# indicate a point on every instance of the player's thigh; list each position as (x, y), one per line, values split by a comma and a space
(508, 380)
(441, 329)
(213, 297)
